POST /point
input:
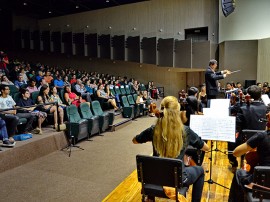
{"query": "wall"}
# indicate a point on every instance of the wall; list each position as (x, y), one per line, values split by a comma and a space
(24, 22)
(250, 20)
(172, 16)
(239, 55)
(263, 71)
(171, 80)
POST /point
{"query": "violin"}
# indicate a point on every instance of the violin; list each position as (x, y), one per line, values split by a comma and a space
(251, 160)
(152, 107)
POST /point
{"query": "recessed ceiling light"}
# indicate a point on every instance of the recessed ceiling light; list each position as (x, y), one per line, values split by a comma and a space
(107, 1)
(77, 6)
(24, 3)
(50, 12)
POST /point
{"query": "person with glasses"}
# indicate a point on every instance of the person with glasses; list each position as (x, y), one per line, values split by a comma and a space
(11, 116)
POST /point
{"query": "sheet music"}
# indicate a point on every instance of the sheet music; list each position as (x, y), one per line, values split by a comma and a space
(220, 107)
(214, 128)
(265, 99)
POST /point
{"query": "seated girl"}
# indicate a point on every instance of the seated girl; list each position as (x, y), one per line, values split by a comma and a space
(72, 98)
(104, 98)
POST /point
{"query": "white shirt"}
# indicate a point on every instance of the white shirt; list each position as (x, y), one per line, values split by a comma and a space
(6, 103)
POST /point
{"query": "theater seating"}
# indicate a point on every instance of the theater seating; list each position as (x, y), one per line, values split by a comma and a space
(128, 110)
(76, 126)
(104, 118)
(93, 121)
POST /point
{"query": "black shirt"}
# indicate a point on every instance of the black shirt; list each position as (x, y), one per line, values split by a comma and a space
(262, 142)
(189, 138)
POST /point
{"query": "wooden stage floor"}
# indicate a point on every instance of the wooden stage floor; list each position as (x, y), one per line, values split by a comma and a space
(129, 189)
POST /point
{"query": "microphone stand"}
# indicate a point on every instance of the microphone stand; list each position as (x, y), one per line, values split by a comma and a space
(70, 138)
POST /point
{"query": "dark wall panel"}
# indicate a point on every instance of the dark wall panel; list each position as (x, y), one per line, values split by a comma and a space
(45, 37)
(26, 38)
(165, 52)
(91, 40)
(133, 49)
(118, 44)
(201, 53)
(105, 46)
(183, 53)
(35, 36)
(78, 40)
(56, 39)
(67, 40)
(149, 50)
(17, 39)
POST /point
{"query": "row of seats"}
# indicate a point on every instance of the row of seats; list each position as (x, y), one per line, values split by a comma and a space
(86, 120)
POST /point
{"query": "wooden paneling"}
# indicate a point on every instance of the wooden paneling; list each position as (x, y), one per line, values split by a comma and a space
(263, 72)
(172, 16)
(183, 53)
(200, 54)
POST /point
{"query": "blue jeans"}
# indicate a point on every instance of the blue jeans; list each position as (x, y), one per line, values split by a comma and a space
(3, 130)
(194, 175)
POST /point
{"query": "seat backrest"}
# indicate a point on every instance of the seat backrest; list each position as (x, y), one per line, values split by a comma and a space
(125, 101)
(246, 134)
(34, 96)
(127, 88)
(142, 87)
(16, 97)
(117, 90)
(96, 108)
(261, 176)
(73, 114)
(131, 100)
(159, 171)
(123, 91)
(135, 96)
(112, 91)
(13, 89)
(85, 111)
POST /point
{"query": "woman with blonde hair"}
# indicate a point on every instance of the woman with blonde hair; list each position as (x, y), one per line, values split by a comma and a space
(170, 139)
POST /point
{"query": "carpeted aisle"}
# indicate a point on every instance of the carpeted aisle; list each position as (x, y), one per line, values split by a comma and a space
(88, 175)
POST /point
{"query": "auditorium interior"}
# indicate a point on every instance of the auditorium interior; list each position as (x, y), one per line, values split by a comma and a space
(143, 51)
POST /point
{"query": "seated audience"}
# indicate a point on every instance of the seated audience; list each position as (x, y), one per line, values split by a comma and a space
(39, 76)
(59, 83)
(79, 87)
(72, 98)
(11, 116)
(51, 109)
(48, 78)
(32, 86)
(4, 135)
(55, 97)
(20, 82)
(66, 82)
(6, 81)
(26, 101)
(103, 97)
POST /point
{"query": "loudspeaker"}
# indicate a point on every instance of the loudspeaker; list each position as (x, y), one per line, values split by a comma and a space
(227, 6)
(249, 83)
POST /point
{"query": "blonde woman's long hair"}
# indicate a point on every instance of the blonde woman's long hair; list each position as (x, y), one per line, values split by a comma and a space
(169, 129)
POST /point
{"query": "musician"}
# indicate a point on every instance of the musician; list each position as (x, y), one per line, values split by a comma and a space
(261, 141)
(248, 117)
(170, 139)
(230, 90)
(212, 77)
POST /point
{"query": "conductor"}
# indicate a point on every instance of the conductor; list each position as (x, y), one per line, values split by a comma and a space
(212, 77)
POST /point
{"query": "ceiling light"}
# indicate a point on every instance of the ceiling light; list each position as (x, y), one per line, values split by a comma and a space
(50, 12)
(24, 3)
(107, 1)
(77, 6)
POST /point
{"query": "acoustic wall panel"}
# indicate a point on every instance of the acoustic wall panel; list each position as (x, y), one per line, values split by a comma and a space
(182, 55)
(149, 50)
(18, 39)
(78, 40)
(67, 40)
(91, 40)
(118, 44)
(104, 42)
(200, 54)
(133, 49)
(165, 52)
(35, 36)
(56, 41)
(45, 38)
(26, 39)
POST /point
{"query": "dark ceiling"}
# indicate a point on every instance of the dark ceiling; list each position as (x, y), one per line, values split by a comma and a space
(41, 9)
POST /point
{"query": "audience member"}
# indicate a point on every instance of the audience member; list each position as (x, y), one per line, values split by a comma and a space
(72, 98)
(4, 135)
(20, 82)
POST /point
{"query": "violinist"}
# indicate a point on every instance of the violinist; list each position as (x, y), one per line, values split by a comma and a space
(248, 117)
(171, 138)
(261, 141)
